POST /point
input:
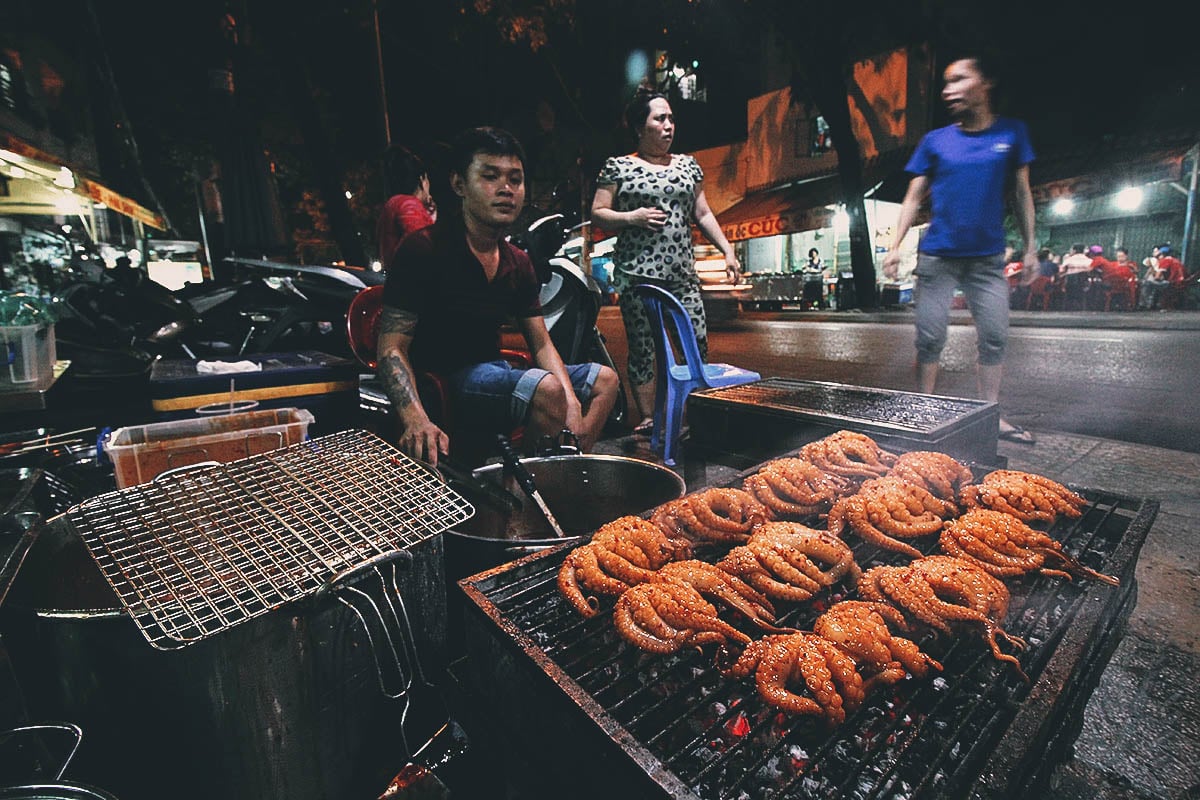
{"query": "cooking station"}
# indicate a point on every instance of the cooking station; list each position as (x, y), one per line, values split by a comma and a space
(288, 650)
(595, 717)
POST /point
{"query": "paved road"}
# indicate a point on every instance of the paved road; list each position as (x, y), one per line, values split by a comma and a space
(1129, 384)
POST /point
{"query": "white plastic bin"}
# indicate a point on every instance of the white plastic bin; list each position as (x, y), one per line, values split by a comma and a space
(142, 452)
(26, 357)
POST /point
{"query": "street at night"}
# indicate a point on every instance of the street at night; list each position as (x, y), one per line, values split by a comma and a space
(341, 457)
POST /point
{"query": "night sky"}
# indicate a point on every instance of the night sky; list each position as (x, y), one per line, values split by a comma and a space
(1075, 71)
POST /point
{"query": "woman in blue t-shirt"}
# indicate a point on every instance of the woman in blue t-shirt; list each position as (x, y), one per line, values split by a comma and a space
(965, 169)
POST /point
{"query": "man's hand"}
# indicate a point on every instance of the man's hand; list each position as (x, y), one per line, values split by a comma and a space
(891, 264)
(1032, 267)
(424, 441)
(648, 217)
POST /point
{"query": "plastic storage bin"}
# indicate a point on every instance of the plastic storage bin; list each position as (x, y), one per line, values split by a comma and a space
(26, 357)
(142, 452)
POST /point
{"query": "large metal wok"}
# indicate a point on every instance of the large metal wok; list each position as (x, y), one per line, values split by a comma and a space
(583, 492)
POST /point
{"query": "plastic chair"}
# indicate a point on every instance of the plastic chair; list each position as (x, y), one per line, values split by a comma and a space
(675, 381)
(1124, 291)
(1041, 291)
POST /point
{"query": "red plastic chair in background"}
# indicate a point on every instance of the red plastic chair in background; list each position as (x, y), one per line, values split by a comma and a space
(362, 331)
(1124, 292)
(1041, 292)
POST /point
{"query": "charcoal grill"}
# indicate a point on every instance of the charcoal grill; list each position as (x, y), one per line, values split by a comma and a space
(597, 718)
(742, 425)
(203, 550)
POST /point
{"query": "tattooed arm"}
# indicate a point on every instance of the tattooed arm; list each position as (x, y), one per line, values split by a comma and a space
(419, 437)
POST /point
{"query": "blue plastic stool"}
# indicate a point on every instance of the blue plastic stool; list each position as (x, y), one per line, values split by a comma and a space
(676, 381)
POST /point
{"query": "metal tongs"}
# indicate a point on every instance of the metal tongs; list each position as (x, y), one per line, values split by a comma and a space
(513, 463)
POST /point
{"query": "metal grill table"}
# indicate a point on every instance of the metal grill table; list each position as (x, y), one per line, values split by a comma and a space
(749, 422)
(203, 550)
(604, 719)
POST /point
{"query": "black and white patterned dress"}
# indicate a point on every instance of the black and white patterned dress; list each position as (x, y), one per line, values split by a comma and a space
(664, 258)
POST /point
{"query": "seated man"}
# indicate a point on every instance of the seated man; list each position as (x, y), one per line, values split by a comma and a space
(450, 287)
(1168, 271)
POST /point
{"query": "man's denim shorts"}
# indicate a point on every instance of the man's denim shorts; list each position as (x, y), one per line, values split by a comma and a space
(496, 395)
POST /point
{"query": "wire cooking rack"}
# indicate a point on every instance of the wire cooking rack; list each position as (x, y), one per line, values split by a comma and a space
(198, 552)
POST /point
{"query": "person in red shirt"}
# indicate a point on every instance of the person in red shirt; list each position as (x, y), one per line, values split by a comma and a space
(1169, 273)
(410, 206)
(1115, 272)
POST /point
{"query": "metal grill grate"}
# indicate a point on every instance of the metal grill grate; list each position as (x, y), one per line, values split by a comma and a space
(914, 412)
(201, 551)
(697, 734)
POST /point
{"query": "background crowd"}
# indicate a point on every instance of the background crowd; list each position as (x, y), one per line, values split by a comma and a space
(1085, 279)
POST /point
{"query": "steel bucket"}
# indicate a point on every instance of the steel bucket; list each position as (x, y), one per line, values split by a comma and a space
(285, 705)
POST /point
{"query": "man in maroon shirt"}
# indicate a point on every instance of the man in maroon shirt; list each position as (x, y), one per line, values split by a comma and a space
(449, 289)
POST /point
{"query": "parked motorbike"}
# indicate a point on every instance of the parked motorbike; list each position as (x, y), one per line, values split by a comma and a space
(305, 308)
(571, 298)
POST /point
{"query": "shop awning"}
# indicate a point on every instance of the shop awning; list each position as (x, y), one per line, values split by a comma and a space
(42, 194)
(801, 205)
(788, 209)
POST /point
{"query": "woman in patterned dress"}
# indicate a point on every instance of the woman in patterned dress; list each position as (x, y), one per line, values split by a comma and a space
(652, 197)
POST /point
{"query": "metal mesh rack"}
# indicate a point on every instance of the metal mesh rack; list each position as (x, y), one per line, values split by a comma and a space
(203, 550)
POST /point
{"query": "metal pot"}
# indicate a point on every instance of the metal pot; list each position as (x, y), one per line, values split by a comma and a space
(582, 491)
(285, 705)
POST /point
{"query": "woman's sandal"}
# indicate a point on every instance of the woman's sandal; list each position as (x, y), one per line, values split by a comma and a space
(645, 428)
(1018, 434)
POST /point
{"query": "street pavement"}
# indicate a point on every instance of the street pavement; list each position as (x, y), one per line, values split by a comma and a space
(1141, 729)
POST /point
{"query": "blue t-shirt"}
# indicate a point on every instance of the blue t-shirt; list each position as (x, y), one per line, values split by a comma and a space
(968, 172)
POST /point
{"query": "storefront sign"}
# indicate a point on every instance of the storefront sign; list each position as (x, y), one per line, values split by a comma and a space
(122, 204)
(794, 221)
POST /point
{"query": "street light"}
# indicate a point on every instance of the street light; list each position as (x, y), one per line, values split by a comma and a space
(1130, 198)
(1063, 206)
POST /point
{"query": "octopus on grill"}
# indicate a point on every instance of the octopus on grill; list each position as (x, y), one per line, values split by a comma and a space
(622, 553)
(850, 455)
(788, 561)
(885, 510)
(936, 473)
(941, 591)
(717, 585)
(1005, 546)
(724, 516)
(781, 664)
(861, 629)
(1026, 496)
(664, 617)
(794, 487)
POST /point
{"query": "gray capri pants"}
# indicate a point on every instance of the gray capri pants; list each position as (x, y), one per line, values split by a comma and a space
(986, 289)
(638, 330)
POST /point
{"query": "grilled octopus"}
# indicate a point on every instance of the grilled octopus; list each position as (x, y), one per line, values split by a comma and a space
(664, 617)
(788, 561)
(861, 629)
(1005, 546)
(885, 510)
(941, 591)
(1026, 496)
(724, 516)
(622, 553)
(792, 488)
(719, 586)
(850, 455)
(936, 473)
(806, 660)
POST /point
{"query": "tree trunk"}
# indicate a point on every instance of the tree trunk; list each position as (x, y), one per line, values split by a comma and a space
(301, 96)
(828, 86)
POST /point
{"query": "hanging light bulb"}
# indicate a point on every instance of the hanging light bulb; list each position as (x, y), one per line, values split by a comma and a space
(1130, 198)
